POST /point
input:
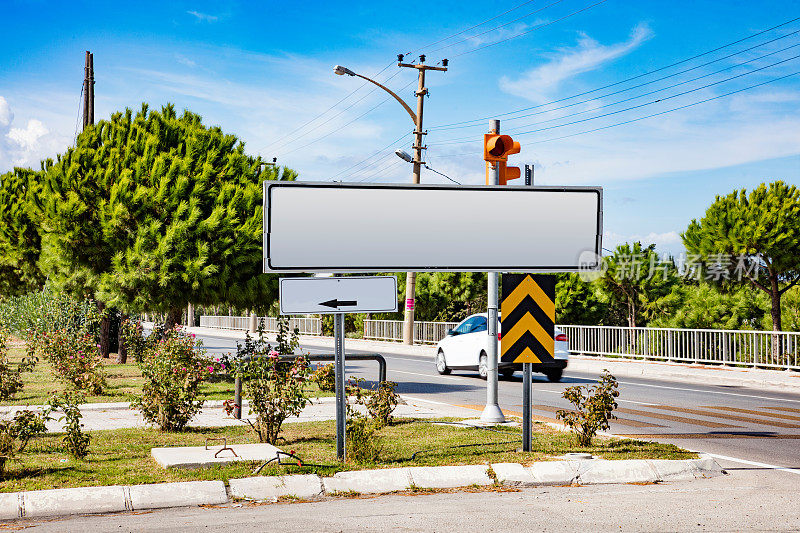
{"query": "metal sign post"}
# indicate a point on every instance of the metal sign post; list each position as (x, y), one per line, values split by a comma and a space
(341, 393)
(527, 384)
(528, 311)
(337, 296)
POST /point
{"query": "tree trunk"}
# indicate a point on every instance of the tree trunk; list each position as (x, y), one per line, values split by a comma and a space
(122, 351)
(173, 317)
(775, 296)
(105, 330)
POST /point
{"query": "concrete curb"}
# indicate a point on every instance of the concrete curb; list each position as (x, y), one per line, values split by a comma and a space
(114, 498)
(117, 498)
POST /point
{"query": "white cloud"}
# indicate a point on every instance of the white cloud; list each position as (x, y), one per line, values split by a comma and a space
(203, 17)
(26, 146)
(569, 62)
(6, 116)
(28, 137)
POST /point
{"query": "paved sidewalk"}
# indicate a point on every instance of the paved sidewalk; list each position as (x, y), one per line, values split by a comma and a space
(120, 415)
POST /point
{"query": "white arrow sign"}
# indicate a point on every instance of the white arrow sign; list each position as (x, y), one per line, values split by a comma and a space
(362, 294)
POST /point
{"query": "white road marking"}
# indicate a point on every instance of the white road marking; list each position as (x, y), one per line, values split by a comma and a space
(711, 392)
(428, 375)
(753, 463)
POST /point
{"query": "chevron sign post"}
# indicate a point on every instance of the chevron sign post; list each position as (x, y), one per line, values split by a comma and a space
(527, 325)
(528, 312)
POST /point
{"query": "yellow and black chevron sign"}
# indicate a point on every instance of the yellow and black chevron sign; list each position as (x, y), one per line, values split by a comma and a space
(528, 314)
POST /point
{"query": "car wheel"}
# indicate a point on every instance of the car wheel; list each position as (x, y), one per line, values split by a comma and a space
(483, 366)
(441, 363)
(554, 375)
(508, 373)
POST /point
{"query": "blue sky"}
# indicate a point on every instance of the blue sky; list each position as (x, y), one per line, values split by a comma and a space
(263, 70)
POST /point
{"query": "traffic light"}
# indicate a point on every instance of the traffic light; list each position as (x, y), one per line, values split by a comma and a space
(496, 149)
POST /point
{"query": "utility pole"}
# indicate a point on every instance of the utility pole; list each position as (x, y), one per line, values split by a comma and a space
(422, 92)
(492, 413)
(88, 91)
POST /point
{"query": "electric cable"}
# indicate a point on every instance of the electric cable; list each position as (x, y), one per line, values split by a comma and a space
(638, 76)
(477, 125)
(516, 129)
(537, 27)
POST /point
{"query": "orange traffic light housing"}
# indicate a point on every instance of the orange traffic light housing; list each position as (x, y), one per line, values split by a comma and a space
(496, 149)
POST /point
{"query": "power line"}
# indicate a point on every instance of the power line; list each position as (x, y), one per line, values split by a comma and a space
(440, 128)
(496, 27)
(320, 115)
(391, 144)
(722, 47)
(344, 125)
(516, 129)
(648, 116)
(670, 110)
(537, 27)
(348, 95)
(475, 26)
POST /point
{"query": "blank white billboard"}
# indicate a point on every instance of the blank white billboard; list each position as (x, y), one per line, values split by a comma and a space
(338, 227)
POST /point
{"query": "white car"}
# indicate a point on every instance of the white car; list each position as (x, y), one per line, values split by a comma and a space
(465, 347)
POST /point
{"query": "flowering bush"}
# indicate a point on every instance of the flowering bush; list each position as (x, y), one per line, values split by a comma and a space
(15, 433)
(131, 334)
(10, 378)
(325, 377)
(174, 366)
(594, 407)
(276, 389)
(75, 440)
(74, 358)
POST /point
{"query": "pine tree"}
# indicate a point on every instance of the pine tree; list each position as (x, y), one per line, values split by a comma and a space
(153, 210)
(762, 229)
(20, 242)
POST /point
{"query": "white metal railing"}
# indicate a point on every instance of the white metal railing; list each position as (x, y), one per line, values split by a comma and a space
(392, 330)
(305, 325)
(731, 347)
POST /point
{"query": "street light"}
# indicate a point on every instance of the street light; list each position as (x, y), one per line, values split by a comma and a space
(416, 118)
(404, 156)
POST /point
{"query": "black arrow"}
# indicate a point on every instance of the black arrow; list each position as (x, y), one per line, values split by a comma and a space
(339, 303)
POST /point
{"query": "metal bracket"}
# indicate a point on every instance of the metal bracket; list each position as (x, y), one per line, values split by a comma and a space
(224, 446)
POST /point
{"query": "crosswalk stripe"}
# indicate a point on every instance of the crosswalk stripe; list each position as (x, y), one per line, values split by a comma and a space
(690, 421)
(752, 412)
(723, 416)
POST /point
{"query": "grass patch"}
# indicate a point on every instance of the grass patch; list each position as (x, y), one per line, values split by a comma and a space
(122, 456)
(124, 382)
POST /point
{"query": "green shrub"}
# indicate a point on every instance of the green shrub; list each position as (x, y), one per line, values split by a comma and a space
(382, 402)
(594, 408)
(10, 378)
(16, 433)
(131, 334)
(74, 358)
(275, 389)
(325, 377)
(75, 440)
(363, 444)
(173, 366)
(28, 315)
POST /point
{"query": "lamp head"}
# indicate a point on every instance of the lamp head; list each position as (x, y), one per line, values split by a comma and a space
(404, 156)
(341, 71)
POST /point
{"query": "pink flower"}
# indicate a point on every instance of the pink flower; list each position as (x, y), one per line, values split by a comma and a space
(210, 368)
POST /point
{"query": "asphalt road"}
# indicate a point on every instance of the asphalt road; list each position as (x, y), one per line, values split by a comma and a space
(738, 422)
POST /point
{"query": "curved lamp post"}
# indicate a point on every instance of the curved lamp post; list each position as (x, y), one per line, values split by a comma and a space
(416, 118)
